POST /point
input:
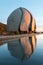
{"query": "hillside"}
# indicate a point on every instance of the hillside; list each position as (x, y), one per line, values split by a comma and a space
(3, 29)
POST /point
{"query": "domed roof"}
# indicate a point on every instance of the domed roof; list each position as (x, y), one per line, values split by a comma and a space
(21, 20)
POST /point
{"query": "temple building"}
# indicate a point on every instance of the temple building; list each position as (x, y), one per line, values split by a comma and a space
(21, 21)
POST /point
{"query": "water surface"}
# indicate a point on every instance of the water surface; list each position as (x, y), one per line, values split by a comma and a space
(23, 51)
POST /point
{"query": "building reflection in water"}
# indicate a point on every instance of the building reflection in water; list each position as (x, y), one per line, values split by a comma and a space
(22, 48)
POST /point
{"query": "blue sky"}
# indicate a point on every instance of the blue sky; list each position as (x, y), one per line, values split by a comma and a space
(34, 6)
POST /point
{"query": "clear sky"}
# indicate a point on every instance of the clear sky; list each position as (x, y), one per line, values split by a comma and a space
(34, 6)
